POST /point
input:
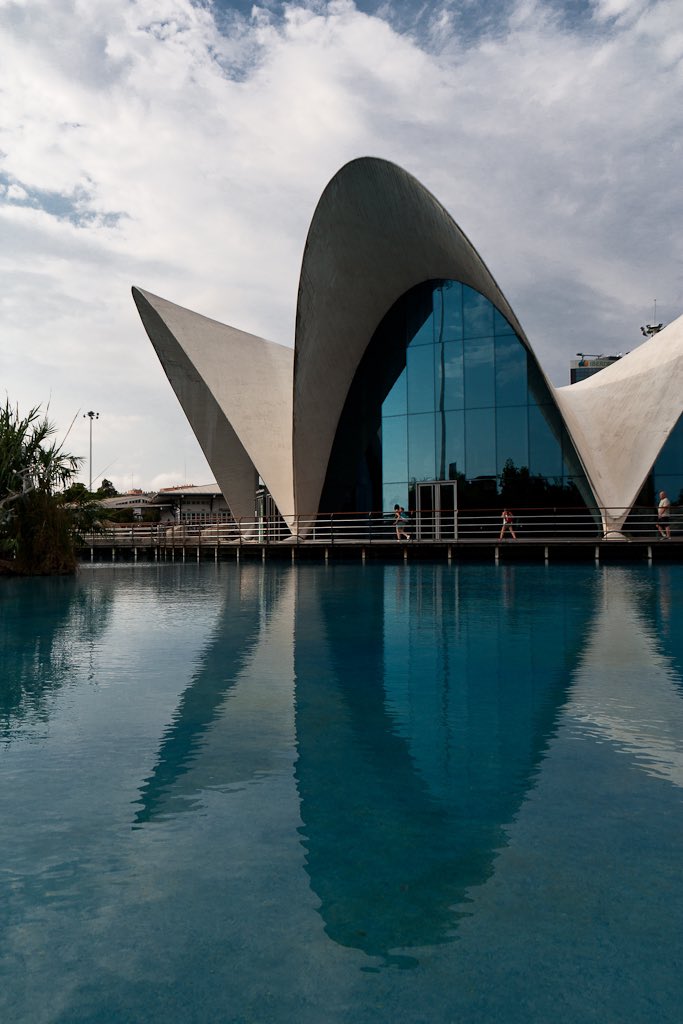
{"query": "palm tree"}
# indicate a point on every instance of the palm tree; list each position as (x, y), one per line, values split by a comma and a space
(36, 526)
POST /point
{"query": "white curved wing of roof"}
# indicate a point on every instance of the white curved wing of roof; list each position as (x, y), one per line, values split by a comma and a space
(236, 391)
(621, 417)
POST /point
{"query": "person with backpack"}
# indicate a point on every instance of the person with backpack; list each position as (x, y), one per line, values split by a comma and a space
(400, 517)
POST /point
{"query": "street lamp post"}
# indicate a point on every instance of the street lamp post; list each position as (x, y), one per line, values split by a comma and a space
(91, 416)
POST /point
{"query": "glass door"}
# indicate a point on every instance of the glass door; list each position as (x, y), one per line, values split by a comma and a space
(426, 526)
(437, 510)
(447, 510)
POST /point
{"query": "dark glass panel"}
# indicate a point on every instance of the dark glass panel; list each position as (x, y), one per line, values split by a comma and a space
(424, 335)
(448, 312)
(420, 379)
(480, 443)
(421, 449)
(419, 318)
(670, 459)
(672, 484)
(396, 402)
(477, 314)
(512, 437)
(511, 371)
(479, 372)
(395, 448)
(417, 410)
(545, 451)
(538, 391)
(425, 497)
(500, 324)
(450, 389)
(394, 494)
(450, 445)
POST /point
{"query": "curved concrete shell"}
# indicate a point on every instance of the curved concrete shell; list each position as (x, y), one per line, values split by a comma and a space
(375, 234)
(621, 417)
(236, 391)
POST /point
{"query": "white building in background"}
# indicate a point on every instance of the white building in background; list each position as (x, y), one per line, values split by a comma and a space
(585, 366)
(192, 505)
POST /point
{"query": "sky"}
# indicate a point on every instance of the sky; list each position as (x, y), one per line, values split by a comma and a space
(183, 146)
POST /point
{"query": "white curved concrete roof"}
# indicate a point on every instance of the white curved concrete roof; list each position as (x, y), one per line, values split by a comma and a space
(376, 233)
(621, 417)
(236, 391)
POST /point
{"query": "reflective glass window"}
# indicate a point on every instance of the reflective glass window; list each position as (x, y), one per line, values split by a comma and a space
(448, 312)
(545, 452)
(500, 324)
(479, 372)
(421, 331)
(394, 494)
(511, 371)
(670, 459)
(450, 445)
(512, 437)
(415, 316)
(421, 447)
(480, 443)
(477, 314)
(672, 484)
(463, 396)
(395, 448)
(395, 404)
(450, 388)
(420, 366)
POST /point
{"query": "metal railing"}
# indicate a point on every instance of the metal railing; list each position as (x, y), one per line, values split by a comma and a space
(434, 527)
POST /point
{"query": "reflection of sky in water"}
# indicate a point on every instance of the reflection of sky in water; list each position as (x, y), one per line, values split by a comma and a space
(231, 792)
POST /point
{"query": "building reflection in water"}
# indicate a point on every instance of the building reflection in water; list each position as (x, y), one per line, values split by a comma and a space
(235, 715)
(418, 703)
(628, 687)
(48, 629)
(424, 702)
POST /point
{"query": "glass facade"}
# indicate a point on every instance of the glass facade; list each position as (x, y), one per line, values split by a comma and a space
(666, 475)
(447, 391)
(668, 469)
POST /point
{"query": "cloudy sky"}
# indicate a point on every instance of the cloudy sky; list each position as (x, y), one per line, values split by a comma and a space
(182, 146)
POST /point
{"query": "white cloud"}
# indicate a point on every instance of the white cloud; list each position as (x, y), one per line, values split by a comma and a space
(624, 10)
(16, 192)
(148, 148)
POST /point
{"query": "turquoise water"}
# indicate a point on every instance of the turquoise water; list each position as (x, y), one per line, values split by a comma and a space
(342, 794)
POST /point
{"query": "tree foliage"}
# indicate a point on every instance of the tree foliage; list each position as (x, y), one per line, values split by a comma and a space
(106, 489)
(36, 524)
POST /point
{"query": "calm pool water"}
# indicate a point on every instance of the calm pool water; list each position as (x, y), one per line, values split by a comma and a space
(342, 794)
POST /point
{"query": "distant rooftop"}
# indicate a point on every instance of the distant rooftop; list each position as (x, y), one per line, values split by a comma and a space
(586, 365)
(190, 489)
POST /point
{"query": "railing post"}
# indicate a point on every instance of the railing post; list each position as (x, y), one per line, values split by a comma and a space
(332, 528)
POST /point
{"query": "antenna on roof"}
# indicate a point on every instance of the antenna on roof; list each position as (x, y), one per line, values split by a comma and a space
(654, 328)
